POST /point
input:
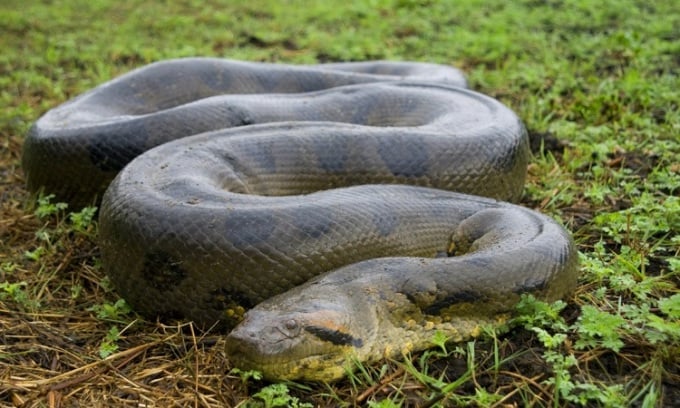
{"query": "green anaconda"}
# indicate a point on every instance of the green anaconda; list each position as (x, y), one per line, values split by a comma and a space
(330, 201)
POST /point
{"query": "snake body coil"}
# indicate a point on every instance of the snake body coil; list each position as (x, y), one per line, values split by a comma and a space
(320, 196)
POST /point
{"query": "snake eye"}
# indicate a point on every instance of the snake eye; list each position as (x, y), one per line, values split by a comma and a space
(291, 325)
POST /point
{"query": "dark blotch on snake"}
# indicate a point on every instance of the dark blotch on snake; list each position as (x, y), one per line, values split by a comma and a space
(314, 83)
(313, 223)
(332, 155)
(110, 157)
(452, 299)
(243, 229)
(336, 337)
(215, 79)
(170, 315)
(239, 117)
(478, 261)
(162, 271)
(531, 286)
(516, 156)
(405, 157)
(385, 223)
(261, 155)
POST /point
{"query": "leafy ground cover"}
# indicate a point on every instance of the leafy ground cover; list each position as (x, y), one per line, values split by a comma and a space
(596, 84)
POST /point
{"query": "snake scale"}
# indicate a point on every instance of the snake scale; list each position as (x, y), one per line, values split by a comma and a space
(330, 202)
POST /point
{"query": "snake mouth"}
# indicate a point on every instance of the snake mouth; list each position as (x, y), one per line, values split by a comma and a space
(320, 365)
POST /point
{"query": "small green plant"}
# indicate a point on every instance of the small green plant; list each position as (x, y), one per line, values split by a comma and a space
(76, 290)
(647, 216)
(561, 377)
(109, 345)
(660, 327)
(8, 267)
(112, 312)
(532, 313)
(439, 340)
(15, 291)
(595, 329)
(82, 221)
(599, 329)
(47, 208)
(35, 254)
(246, 375)
(384, 403)
(275, 395)
(589, 394)
(671, 306)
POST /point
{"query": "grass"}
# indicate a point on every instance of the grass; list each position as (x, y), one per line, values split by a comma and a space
(596, 84)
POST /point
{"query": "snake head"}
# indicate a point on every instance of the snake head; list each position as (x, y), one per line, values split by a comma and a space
(311, 339)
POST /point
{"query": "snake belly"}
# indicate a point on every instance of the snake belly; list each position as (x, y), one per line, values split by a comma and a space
(332, 203)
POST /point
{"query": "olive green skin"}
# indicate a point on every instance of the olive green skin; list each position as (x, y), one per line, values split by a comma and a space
(332, 210)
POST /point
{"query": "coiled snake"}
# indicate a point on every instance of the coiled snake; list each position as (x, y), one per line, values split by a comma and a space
(319, 197)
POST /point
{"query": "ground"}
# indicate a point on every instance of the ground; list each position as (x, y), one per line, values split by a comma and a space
(597, 86)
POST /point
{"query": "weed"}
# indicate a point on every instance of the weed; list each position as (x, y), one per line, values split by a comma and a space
(599, 329)
(82, 221)
(533, 313)
(35, 254)
(109, 345)
(8, 267)
(275, 395)
(47, 208)
(15, 291)
(112, 312)
(385, 403)
(594, 329)
(671, 306)
(246, 375)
